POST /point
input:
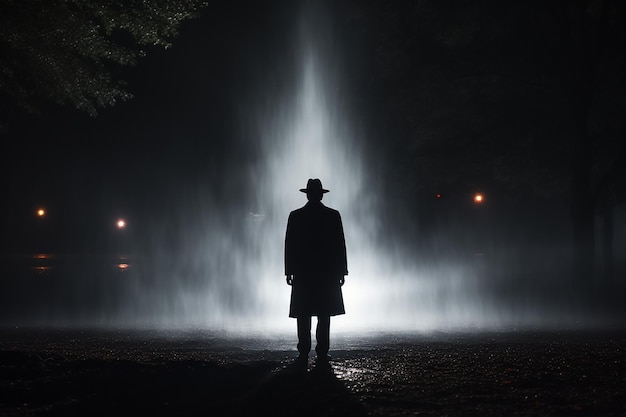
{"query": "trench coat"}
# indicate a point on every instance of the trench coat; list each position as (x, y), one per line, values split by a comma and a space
(315, 254)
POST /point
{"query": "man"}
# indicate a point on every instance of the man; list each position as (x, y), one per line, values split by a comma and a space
(315, 267)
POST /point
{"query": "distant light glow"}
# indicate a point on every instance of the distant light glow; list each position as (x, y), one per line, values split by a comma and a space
(41, 212)
(438, 195)
(121, 224)
(122, 266)
(478, 198)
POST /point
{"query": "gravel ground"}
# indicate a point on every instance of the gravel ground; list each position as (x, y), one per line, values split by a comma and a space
(69, 372)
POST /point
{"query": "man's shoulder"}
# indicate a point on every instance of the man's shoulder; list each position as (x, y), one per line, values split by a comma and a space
(296, 211)
(331, 210)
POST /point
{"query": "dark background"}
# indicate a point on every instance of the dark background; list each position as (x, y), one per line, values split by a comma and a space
(456, 98)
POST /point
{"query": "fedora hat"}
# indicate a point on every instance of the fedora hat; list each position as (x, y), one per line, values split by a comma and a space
(313, 186)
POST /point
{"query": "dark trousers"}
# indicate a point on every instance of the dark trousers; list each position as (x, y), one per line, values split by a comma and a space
(322, 335)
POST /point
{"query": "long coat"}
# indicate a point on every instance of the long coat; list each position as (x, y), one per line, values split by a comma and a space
(315, 254)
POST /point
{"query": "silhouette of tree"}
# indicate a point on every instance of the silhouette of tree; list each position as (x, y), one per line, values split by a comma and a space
(525, 97)
(585, 41)
(70, 51)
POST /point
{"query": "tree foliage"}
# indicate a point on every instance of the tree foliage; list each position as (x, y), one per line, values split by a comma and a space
(67, 51)
(500, 91)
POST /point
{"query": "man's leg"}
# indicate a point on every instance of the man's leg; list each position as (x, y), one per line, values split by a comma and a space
(322, 334)
(304, 335)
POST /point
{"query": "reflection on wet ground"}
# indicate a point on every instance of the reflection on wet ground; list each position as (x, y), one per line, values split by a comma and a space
(46, 262)
(193, 372)
(39, 287)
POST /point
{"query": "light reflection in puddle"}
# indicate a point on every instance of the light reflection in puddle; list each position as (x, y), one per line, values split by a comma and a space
(122, 266)
(122, 263)
(42, 262)
(354, 371)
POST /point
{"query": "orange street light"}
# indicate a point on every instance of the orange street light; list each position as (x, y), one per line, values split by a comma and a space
(121, 224)
(41, 212)
(478, 198)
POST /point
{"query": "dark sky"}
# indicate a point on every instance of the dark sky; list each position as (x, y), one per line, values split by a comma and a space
(452, 100)
(185, 127)
(181, 94)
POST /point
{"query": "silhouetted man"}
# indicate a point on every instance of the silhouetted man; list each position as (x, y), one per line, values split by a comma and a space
(315, 266)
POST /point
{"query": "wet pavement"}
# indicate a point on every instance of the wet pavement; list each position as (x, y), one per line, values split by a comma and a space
(64, 372)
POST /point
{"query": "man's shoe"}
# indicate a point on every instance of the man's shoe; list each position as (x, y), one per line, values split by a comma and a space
(300, 364)
(323, 358)
(302, 359)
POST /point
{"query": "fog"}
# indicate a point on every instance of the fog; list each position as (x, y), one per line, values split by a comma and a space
(226, 271)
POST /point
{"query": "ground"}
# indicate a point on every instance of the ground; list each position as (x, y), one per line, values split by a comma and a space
(69, 372)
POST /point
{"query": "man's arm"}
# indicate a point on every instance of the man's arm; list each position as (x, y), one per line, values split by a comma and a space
(341, 247)
(288, 249)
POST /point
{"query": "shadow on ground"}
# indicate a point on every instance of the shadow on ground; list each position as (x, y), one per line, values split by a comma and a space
(294, 390)
(35, 384)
